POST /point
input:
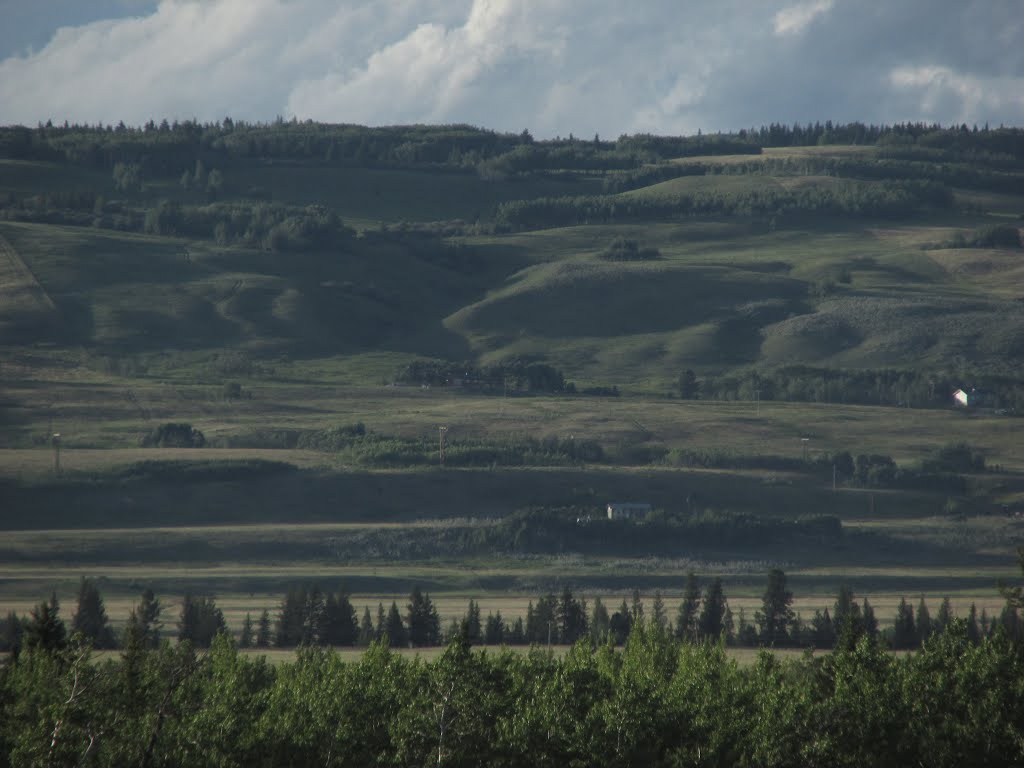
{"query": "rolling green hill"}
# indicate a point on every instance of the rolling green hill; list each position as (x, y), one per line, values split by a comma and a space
(589, 320)
(828, 281)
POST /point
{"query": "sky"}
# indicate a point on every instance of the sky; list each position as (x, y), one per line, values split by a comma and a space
(554, 67)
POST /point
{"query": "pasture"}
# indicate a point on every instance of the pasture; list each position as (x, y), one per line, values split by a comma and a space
(108, 334)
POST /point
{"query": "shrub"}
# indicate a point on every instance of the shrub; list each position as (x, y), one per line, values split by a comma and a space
(172, 435)
(621, 249)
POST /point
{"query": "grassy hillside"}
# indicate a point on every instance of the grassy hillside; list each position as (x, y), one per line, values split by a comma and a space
(274, 286)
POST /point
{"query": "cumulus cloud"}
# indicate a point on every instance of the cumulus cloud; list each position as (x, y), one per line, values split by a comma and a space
(795, 18)
(553, 66)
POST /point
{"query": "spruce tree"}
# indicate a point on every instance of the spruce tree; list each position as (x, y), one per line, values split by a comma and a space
(944, 616)
(494, 632)
(686, 620)
(924, 622)
(380, 630)
(637, 608)
(571, 618)
(44, 629)
(11, 630)
(823, 630)
(1009, 621)
(973, 631)
(711, 623)
(600, 623)
(848, 620)
(339, 623)
(245, 639)
(746, 633)
(90, 619)
(868, 621)
(423, 623)
(149, 610)
(394, 629)
(313, 610)
(291, 618)
(659, 617)
(200, 620)
(517, 636)
(621, 623)
(904, 632)
(263, 634)
(473, 628)
(776, 614)
(366, 633)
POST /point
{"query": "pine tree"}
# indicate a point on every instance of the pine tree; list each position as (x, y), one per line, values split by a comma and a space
(423, 622)
(518, 635)
(380, 630)
(394, 629)
(711, 623)
(90, 619)
(686, 621)
(973, 631)
(846, 618)
(291, 619)
(245, 639)
(545, 621)
(149, 610)
(312, 623)
(339, 623)
(494, 633)
(621, 623)
(600, 623)
(659, 617)
(746, 633)
(366, 633)
(637, 609)
(924, 622)
(200, 620)
(11, 630)
(263, 630)
(868, 620)
(904, 633)
(776, 615)
(1009, 621)
(473, 629)
(571, 618)
(944, 616)
(44, 629)
(823, 630)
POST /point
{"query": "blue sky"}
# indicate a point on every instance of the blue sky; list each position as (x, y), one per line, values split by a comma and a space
(552, 66)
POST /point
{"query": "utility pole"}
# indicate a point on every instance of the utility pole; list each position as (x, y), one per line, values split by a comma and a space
(804, 441)
(56, 452)
(442, 432)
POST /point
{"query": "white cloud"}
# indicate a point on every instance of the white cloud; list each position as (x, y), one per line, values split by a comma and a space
(794, 19)
(553, 66)
(940, 91)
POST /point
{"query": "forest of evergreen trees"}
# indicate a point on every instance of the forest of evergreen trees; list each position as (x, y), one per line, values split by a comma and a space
(308, 615)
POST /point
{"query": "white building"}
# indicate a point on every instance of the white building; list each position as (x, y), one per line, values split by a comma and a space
(627, 510)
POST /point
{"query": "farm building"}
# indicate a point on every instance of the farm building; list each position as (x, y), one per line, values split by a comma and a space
(968, 398)
(627, 510)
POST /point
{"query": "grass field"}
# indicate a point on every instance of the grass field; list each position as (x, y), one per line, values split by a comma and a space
(107, 334)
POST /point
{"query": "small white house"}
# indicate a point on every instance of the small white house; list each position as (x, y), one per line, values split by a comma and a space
(967, 398)
(627, 510)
